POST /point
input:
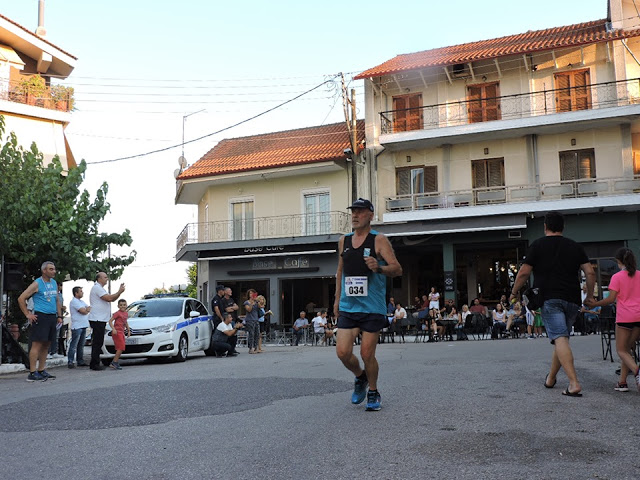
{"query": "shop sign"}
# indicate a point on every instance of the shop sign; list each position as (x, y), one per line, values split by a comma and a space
(296, 262)
(259, 264)
(449, 282)
(277, 248)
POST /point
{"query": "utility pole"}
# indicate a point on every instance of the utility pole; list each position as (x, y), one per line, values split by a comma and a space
(351, 121)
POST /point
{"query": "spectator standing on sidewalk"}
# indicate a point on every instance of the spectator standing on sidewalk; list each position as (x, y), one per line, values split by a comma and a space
(99, 315)
(625, 288)
(251, 320)
(555, 262)
(79, 324)
(46, 315)
(119, 325)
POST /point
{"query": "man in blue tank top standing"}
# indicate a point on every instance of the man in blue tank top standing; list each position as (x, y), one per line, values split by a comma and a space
(365, 260)
(47, 312)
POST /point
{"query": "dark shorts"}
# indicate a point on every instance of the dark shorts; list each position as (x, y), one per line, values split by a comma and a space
(44, 328)
(263, 327)
(628, 325)
(367, 322)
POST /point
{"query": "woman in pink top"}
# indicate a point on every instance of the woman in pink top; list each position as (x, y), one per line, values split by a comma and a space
(625, 287)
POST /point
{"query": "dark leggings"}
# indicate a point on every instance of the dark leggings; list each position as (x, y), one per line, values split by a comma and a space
(253, 333)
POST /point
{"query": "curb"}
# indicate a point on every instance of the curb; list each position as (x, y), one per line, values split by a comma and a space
(9, 368)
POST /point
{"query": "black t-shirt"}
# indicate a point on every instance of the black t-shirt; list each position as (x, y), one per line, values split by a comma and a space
(224, 303)
(556, 264)
(215, 302)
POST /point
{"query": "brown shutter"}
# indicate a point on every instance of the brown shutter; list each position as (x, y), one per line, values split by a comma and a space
(403, 182)
(568, 166)
(492, 103)
(479, 173)
(586, 164)
(581, 92)
(563, 93)
(475, 104)
(495, 173)
(399, 114)
(414, 120)
(431, 179)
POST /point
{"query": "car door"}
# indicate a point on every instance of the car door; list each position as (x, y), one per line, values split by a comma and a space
(204, 324)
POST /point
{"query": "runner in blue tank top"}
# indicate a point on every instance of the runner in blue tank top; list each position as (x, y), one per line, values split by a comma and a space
(366, 259)
(47, 313)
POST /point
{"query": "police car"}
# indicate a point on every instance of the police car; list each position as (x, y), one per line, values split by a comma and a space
(171, 325)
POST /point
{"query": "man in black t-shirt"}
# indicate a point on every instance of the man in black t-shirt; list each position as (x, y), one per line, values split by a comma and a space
(556, 262)
(229, 305)
(216, 310)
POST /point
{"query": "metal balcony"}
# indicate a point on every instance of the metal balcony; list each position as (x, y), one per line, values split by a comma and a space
(300, 225)
(524, 105)
(590, 187)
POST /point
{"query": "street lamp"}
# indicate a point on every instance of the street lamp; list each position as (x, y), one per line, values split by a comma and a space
(183, 161)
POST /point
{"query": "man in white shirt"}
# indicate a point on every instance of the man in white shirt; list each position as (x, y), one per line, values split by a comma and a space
(99, 315)
(79, 324)
(320, 324)
(223, 335)
(299, 326)
(399, 320)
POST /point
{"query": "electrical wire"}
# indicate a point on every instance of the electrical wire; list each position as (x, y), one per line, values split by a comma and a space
(213, 133)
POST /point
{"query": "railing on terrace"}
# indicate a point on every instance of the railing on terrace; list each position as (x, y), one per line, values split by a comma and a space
(265, 227)
(545, 102)
(56, 97)
(590, 187)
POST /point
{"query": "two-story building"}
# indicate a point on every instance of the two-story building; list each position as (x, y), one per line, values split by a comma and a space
(33, 108)
(471, 144)
(271, 209)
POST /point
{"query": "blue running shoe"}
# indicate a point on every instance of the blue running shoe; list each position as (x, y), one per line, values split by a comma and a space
(359, 391)
(46, 375)
(35, 377)
(373, 401)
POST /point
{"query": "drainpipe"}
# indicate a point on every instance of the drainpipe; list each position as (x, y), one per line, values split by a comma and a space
(41, 31)
(536, 164)
(374, 178)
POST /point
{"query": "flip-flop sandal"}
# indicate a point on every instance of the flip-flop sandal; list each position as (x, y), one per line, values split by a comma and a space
(549, 386)
(567, 393)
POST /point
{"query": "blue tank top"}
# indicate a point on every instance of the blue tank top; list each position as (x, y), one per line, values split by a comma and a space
(45, 299)
(356, 274)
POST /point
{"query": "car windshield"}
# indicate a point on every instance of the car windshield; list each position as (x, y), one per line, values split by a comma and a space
(156, 308)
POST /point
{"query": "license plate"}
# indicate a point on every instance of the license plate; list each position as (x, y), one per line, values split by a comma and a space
(131, 341)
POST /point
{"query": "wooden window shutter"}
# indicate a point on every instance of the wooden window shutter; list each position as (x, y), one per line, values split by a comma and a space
(586, 164)
(403, 182)
(475, 104)
(492, 102)
(582, 92)
(479, 173)
(495, 170)
(568, 166)
(414, 120)
(399, 114)
(431, 179)
(573, 91)
(563, 93)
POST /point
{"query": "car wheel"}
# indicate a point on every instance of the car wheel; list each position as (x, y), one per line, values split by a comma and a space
(183, 349)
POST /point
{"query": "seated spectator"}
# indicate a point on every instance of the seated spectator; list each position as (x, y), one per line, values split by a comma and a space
(516, 317)
(504, 301)
(477, 307)
(299, 327)
(453, 319)
(432, 323)
(499, 325)
(591, 317)
(225, 338)
(462, 322)
(391, 306)
(400, 321)
(446, 310)
(423, 311)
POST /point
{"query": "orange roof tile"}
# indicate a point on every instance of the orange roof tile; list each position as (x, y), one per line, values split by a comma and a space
(272, 150)
(36, 36)
(532, 41)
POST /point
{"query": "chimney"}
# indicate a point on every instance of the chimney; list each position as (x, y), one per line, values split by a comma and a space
(41, 31)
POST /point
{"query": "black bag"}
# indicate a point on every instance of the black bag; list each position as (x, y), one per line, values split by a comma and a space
(534, 298)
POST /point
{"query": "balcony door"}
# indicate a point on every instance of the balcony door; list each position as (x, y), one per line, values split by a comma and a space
(407, 114)
(317, 219)
(484, 104)
(410, 181)
(242, 220)
(576, 167)
(573, 91)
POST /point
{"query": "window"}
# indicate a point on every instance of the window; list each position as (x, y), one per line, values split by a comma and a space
(488, 173)
(242, 216)
(573, 91)
(484, 104)
(407, 113)
(416, 180)
(317, 219)
(577, 164)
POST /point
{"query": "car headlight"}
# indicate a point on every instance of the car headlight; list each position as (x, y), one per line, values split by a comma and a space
(166, 328)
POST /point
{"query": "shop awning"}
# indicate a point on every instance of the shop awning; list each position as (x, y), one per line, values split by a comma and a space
(454, 225)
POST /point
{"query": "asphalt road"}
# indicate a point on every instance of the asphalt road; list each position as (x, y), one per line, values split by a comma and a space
(458, 410)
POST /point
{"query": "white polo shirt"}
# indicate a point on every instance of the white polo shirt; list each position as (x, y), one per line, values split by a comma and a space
(100, 309)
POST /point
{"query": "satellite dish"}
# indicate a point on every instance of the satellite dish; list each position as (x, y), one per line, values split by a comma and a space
(182, 161)
(176, 172)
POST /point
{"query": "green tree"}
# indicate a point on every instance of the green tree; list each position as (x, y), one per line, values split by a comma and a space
(45, 216)
(192, 275)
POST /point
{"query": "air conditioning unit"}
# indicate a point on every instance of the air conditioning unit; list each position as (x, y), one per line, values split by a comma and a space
(515, 234)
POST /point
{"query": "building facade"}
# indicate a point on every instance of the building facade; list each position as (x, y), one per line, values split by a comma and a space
(472, 144)
(271, 209)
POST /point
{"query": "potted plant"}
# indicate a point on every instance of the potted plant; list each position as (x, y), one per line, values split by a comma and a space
(62, 97)
(33, 88)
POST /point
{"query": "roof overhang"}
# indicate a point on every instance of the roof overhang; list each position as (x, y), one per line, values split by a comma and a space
(191, 191)
(454, 225)
(50, 59)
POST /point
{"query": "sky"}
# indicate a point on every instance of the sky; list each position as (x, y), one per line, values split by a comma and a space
(145, 64)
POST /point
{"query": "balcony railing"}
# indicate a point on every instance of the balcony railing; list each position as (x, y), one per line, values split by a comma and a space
(57, 97)
(265, 227)
(545, 102)
(590, 187)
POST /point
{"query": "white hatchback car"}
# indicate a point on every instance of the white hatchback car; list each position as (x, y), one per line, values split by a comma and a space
(170, 325)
